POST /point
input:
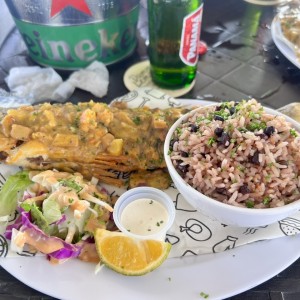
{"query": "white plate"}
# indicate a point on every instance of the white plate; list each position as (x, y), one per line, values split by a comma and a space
(282, 43)
(219, 275)
(266, 2)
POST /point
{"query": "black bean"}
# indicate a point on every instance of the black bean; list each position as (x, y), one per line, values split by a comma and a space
(225, 139)
(172, 142)
(255, 158)
(232, 110)
(194, 128)
(236, 103)
(218, 131)
(184, 154)
(244, 189)
(218, 118)
(183, 168)
(218, 108)
(269, 130)
(283, 162)
(221, 191)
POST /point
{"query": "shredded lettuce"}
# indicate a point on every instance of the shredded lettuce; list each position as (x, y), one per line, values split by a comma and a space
(51, 210)
(39, 219)
(15, 185)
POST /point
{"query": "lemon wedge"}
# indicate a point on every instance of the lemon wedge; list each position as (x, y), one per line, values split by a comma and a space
(130, 256)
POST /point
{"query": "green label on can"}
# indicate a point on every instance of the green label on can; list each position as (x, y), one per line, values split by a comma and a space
(76, 46)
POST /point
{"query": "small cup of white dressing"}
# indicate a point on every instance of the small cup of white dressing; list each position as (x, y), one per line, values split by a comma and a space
(144, 213)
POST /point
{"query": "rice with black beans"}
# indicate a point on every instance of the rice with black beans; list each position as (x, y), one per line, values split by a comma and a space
(238, 154)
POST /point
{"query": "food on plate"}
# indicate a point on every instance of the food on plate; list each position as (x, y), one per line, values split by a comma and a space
(238, 154)
(65, 216)
(129, 256)
(91, 138)
(58, 213)
(290, 27)
(292, 110)
(158, 178)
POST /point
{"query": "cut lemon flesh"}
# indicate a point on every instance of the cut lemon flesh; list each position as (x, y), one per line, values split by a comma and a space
(130, 256)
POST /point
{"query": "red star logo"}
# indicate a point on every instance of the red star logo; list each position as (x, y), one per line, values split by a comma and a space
(58, 5)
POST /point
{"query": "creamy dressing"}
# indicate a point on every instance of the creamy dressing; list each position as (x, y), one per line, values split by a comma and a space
(144, 217)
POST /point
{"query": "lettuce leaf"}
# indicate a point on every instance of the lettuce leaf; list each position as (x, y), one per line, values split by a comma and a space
(51, 210)
(39, 219)
(12, 189)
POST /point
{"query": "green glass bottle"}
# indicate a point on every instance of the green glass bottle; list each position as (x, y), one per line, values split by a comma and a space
(174, 35)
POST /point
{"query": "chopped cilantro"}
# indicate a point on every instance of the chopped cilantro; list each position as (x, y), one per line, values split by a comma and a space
(71, 183)
(250, 203)
(268, 178)
(204, 295)
(211, 141)
(151, 202)
(266, 200)
(242, 129)
(293, 132)
(199, 119)
(253, 115)
(253, 126)
(230, 127)
(240, 168)
(222, 113)
(178, 131)
(137, 120)
(95, 195)
(232, 153)
(76, 122)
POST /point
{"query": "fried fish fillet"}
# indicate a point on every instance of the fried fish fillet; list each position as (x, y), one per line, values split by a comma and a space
(91, 138)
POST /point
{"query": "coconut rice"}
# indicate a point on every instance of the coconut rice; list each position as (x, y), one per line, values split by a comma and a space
(238, 154)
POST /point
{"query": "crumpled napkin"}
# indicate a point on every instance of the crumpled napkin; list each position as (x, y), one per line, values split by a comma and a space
(35, 84)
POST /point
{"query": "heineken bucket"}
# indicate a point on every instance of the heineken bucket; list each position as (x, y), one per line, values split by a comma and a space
(70, 34)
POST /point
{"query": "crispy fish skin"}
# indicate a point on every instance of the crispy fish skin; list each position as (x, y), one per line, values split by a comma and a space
(89, 137)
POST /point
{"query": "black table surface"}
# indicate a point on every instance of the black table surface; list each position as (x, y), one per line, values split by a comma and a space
(242, 61)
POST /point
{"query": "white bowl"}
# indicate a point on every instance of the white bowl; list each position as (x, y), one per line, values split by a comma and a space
(225, 213)
(148, 193)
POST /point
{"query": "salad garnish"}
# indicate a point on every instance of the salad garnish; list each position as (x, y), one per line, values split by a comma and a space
(58, 213)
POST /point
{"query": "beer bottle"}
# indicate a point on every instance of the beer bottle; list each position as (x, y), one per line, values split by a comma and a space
(174, 35)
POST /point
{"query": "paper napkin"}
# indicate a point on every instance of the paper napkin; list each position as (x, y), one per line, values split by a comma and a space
(192, 232)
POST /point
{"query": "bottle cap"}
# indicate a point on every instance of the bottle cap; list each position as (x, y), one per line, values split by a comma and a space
(138, 76)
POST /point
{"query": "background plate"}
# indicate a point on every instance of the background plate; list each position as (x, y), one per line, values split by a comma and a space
(279, 41)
